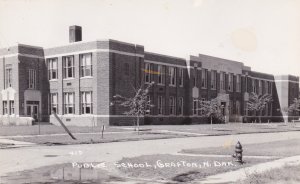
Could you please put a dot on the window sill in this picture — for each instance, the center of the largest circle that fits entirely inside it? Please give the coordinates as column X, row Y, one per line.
column 87, row 77
column 68, row 78
column 160, row 84
column 172, row 85
column 53, row 80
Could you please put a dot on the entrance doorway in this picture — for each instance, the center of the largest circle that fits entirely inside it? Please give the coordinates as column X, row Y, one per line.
column 32, row 109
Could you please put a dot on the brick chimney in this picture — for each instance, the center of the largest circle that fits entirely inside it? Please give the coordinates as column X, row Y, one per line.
column 75, row 34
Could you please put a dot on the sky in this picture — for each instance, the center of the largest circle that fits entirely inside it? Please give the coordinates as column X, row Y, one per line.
column 263, row 34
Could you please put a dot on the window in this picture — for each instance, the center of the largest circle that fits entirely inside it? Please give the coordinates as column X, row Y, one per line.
column 213, row 82
column 86, row 67
column 266, row 86
column 201, row 111
column 12, row 107
column 68, row 63
column 52, row 69
column 195, row 106
column 86, row 103
column 126, row 69
column 160, row 105
column 259, row 87
column 5, row 108
column 172, row 105
column 230, row 107
column 238, row 83
column 204, row 78
column 172, row 74
column 270, row 88
column 69, row 103
column 195, row 77
column 161, row 74
column 230, row 82
column 253, row 86
column 180, row 106
column 245, row 109
column 237, row 108
column 222, row 81
column 148, row 76
column 32, row 79
column 54, row 102
column 8, row 76
column 181, row 77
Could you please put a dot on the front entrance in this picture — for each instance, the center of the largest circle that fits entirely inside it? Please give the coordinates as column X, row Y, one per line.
column 32, row 109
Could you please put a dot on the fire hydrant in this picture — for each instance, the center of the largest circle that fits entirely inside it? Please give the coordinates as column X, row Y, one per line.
column 238, row 153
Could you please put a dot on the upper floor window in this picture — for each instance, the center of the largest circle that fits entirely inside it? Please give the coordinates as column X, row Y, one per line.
column 32, row 79
column 68, row 64
column 253, row 86
column 148, row 71
column 161, row 74
column 86, row 67
column 172, row 105
column 8, row 76
column 238, row 83
column 204, row 78
column 213, row 82
column 222, row 81
column 69, row 105
column 181, row 77
column 126, row 69
column 180, row 106
column 230, row 82
column 195, row 77
column 270, row 87
column 52, row 69
column 86, row 102
column 54, row 102
column 259, row 87
column 172, row 74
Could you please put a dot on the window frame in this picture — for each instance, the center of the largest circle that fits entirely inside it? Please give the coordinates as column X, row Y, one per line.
column 172, row 105
column 52, row 103
column 84, row 104
column 69, row 105
column 204, row 75
column 31, row 79
column 51, row 69
column 67, row 68
column 172, row 74
column 84, row 67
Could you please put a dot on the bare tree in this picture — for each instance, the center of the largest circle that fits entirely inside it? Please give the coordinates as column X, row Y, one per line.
column 211, row 108
column 258, row 103
column 138, row 105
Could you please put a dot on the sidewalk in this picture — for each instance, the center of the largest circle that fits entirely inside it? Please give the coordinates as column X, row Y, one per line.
column 234, row 176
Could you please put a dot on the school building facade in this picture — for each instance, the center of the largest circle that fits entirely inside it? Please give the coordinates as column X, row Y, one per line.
column 78, row 82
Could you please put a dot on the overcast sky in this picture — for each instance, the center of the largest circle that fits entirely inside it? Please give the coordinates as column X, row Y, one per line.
column 263, row 34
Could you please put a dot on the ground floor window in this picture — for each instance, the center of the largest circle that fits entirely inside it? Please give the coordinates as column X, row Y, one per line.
column 5, row 108
column 54, row 103
column 148, row 103
column 12, row 107
column 69, row 103
column 172, row 105
column 180, row 106
column 195, row 106
column 86, row 102
column 160, row 105
column 237, row 108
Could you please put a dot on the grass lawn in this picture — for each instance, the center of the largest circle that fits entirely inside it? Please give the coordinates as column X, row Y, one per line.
column 51, row 129
column 278, row 148
column 178, row 168
column 96, row 138
column 230, row 128
column 287, row 174
column 218, row 129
